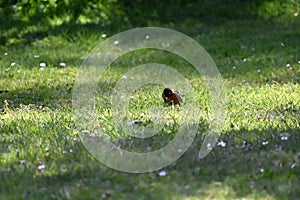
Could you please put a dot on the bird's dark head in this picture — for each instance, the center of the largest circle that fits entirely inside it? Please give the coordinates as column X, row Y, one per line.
column 168, row 92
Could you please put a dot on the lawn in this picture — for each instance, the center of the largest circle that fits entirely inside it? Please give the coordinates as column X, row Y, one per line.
column 256, row 48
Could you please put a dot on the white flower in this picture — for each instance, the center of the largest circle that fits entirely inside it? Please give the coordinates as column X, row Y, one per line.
column 162, row 173
column 261, row 170
column 41, row 167
column 284, row 138
column 43, row 64
column 222, row 144
column 62, row 64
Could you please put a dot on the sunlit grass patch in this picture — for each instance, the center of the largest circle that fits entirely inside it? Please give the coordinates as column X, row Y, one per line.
column 267, row 106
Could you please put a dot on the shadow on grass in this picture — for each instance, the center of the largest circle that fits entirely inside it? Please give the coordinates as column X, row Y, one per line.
column 209, row 13
column 253, row 164
column 232, row 31
column 43, row 96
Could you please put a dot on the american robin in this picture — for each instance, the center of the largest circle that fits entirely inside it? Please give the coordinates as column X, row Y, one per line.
column 171, row 96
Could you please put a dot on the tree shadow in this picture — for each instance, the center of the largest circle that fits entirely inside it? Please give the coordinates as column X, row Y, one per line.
column 251, row 160
column 40, row 96
column 215, row 24
column 252, row 163
column 132, row 15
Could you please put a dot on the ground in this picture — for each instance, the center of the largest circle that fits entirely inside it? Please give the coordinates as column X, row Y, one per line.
column 257, row 154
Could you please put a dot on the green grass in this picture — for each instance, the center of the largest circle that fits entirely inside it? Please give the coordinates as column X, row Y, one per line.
column 258, row 57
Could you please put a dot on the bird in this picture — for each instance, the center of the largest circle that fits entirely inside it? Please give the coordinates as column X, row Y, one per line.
column 171, row 96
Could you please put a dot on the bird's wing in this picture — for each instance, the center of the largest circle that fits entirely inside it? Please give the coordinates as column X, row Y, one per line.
column 178, row 95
